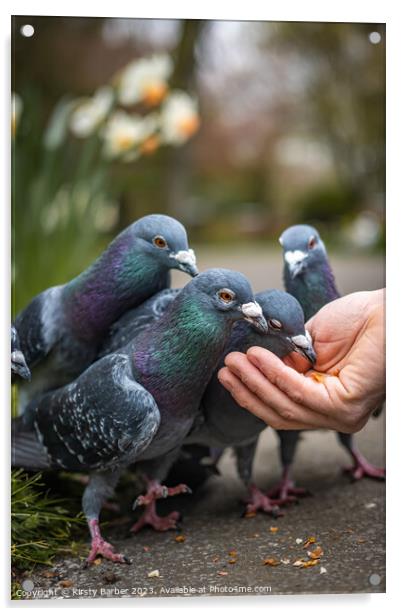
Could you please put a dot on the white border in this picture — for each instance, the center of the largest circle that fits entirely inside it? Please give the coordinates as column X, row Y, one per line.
column 308, row 10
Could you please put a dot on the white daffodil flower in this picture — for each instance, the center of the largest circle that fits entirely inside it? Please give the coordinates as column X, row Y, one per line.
column 91, row 112
column 145, row 80
column 179, row 118
column 16, row 110
column 123, row 133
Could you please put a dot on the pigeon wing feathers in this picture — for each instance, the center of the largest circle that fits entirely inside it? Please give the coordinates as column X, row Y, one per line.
column 136, row 320
column 101, row 420
column 38, row 325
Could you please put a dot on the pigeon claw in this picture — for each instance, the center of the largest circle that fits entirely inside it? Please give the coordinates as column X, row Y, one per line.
column 156, row 491
column 258, row 501
column 286, row 492
column 365, row 469
column 182, row 488
column 161, row 524
column 150, row 517
column 100, row 547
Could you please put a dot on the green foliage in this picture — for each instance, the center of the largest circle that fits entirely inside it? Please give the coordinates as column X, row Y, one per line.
column 58, row 201
column 40, row 525
column 326, row 203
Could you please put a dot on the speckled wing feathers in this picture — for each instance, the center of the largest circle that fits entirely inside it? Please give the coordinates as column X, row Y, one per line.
column 103, row 420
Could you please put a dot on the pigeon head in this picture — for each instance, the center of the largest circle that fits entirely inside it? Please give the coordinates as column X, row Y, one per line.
column 285, row 320
column 229, row 293
column 165, row 239
column 302, row 249
column 18, row 363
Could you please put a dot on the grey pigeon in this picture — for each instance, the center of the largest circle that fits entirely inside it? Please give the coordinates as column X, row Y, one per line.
column 221, row 422
column 224, row 423
column 18, row 364
column 308, row 277
column 136, row 320
column 140, row 402
column 62, row 328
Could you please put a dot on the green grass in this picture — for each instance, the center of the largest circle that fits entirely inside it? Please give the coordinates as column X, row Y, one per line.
column 41, row 526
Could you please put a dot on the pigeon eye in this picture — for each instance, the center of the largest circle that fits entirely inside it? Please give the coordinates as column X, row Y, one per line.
column 160, row 241
column 275, row 324
column 226, row 296
column 312, row 242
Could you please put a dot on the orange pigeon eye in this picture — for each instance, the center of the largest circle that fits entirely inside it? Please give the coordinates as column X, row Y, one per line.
column 160, row 241
column 226, row 296
column 312, row 242
column 275, row 324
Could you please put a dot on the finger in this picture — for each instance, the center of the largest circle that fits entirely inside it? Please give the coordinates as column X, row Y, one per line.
column 250, row 402
column 297, row 362
column 296, row 386
column 290, row 409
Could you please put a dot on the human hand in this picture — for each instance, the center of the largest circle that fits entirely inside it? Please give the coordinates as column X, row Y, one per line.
column 348, row 380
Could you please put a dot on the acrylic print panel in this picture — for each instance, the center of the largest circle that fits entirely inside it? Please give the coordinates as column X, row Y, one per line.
column 236, row 130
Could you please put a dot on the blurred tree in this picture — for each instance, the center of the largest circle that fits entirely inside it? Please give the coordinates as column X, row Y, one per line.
column 179, row 164
column 343, row 102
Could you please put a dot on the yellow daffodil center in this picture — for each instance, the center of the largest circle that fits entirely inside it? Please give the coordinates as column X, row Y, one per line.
column 154, row 93
column 189, row 125
column 124, row 142
column 150, row 145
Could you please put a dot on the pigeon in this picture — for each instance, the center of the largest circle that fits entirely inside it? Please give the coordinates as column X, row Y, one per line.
column 138, row 403
column 308, row 277
column 136, row 320
column 62, row 328
column 215, row 428
column 18, row 364
column 226, row 424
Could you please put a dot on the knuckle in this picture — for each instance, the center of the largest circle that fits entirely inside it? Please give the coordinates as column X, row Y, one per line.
column 279, row 382
column 287, row 414
column 296, row 396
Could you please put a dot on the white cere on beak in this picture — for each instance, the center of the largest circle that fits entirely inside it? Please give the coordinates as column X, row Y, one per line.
column 294, row 256
column 308, row 336
column 17, row 357
column 252, row 310
column 187, row 257
column 302, row 341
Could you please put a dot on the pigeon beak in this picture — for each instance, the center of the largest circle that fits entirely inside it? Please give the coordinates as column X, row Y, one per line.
column 296, row 260
column 304, row 346
column 252, row 312
column 19, row 365
column 186, row 262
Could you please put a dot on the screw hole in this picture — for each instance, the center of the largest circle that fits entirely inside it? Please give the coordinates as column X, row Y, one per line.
column 27, row 30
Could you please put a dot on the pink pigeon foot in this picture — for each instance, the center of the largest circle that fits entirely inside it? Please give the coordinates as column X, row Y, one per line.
column 363, row 468
column 101, row 547
column 150, row 518
column 285, row 491
column 258, row 501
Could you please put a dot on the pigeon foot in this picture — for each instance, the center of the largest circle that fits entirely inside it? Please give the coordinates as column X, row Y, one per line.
column 100, row 547
column 285, row 491
column 155, row 491
column 151, row 518
column 258, row 501
column 362, row 468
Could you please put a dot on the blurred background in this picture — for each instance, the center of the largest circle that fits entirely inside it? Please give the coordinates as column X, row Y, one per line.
column 238, row 129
